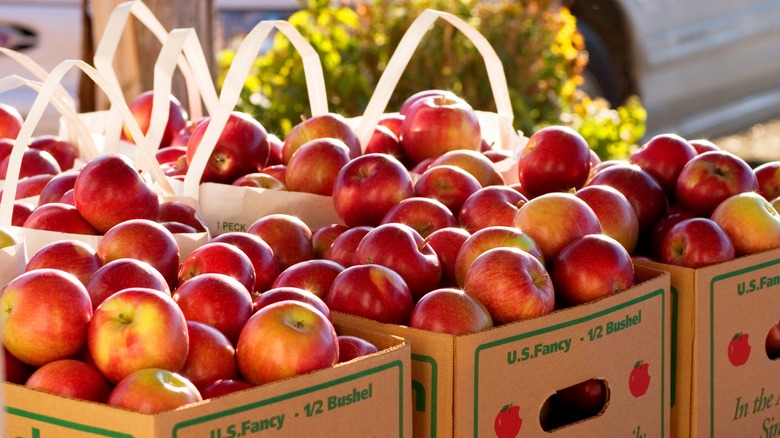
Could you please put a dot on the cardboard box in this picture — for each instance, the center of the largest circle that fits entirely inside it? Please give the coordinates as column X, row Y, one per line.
column 461, row 383
column 368, row 396
column 714, row 393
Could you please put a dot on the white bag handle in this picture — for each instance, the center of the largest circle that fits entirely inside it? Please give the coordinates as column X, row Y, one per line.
column 44, row 97
column 234, row 82
column 403, row 53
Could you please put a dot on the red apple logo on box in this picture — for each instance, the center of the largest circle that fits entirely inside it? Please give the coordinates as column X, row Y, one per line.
column 508, row 422
column 739, row 349
column 639, row 379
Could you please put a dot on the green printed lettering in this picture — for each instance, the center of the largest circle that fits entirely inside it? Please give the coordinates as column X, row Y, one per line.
column 771, row 428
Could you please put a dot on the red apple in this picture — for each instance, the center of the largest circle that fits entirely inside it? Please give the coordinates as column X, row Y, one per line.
column 711, row 177
column 322, row 238
column 315, row 276
column 367, row 187
column 616, row 215
column 750, row 221
column 53, row 190
column 695, row 243
column 651, row 244
column 768, row 178
column 211, row 356
column 411, row 100
column 450, row 185
column 135, row 329
column 57, row 216
column 330, row 125
column 342, row 250
column 284, row 293
column 34, row 162
column 772, row 343
column 259, row 180
column 285, row 339
column 314, row 166
column 664, row 157
column 121, row 274
column 450, row 310
column 511, row 283
column 141, row 108
column 275, row 145
column 6, row 145
column 143, row 240
column 31, row 186
column 63, row 151
column 489, row 238
column 170, row 154
column 582, row 400
column 351, row 347
column 371, row 291
column 393, row 122
column 277, row 171
column 176, row 211
column 242, row 148
column 489, row 206
column 591, row 267
column 556, row 159
column 385, row 141
column 218, row 258
column 260, row 254
column 109, row 190
column 473, row 162
column 224, row 387
column 15, row 371
column 446, row 243
column 217, row 300
column 22, row 210
column 71, row 378
column 288, row 236
column 10, row 121
column 153, row 390
column 703, row 145
column 72, row 256
column 402, row 249
column 425, row 215
column 642, row 190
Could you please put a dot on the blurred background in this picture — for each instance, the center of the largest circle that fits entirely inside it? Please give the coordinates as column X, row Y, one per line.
column 619, row 71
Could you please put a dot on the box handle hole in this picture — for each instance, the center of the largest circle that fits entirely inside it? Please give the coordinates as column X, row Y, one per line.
column 573, row 404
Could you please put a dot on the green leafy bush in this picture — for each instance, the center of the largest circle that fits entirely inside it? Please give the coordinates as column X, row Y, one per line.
column 537, row 42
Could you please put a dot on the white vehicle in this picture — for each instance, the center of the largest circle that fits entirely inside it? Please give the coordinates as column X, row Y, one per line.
column 701, row 67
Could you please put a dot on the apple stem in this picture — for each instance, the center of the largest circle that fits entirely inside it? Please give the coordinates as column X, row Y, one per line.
column 422, row 244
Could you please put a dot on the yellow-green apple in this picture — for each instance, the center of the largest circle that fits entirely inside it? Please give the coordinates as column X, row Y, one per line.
column 473, row 162
column 371, row 291
column 44, row 316
column 260, row 254
column 71, row 378
column 10, row 121
column 511, row 283
column 772, row 343
column 703, row 145
column 109, row 190
column 393, row 122
column 137, row 328
column 177, row 211
column 8, row 238
column 489, row 206
column 436, row 124
column 351, row 347
column 664, row 157
column 144, row 240
column 121, row 274
column 153, row 390
column 14, row 370
column 242, row 148
column 342, row 250
column 556, row 159
column 30, row 186
column 224, row 387
column 450, row 310
column 259, row 180
column 768, row 178
column 63, row 151
column 616, row 215
column 447, row 184
column 330, row 125
column 750, row 221
column 493, row 237
column 323, row 237
column 589, row 268
column 58, row 216
column 425, row 215
column 72, row 256
column 275, row 145
column 53, row 190
column 315, row 276
column 409, row 101
column 21, row 211
column 34, row 162
column 285, row 339
column 278, row 171
column 211, row 356
column 314, row 166
column 385, row 141
column 141, row 108
column 695, row 243
column 288, row 236
column 215, row 299
column 283, row 293
column 642, row 190
column 711, row 177
column 368, row 186
column 402, row 249
column 446, row 243
column 170, row 154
